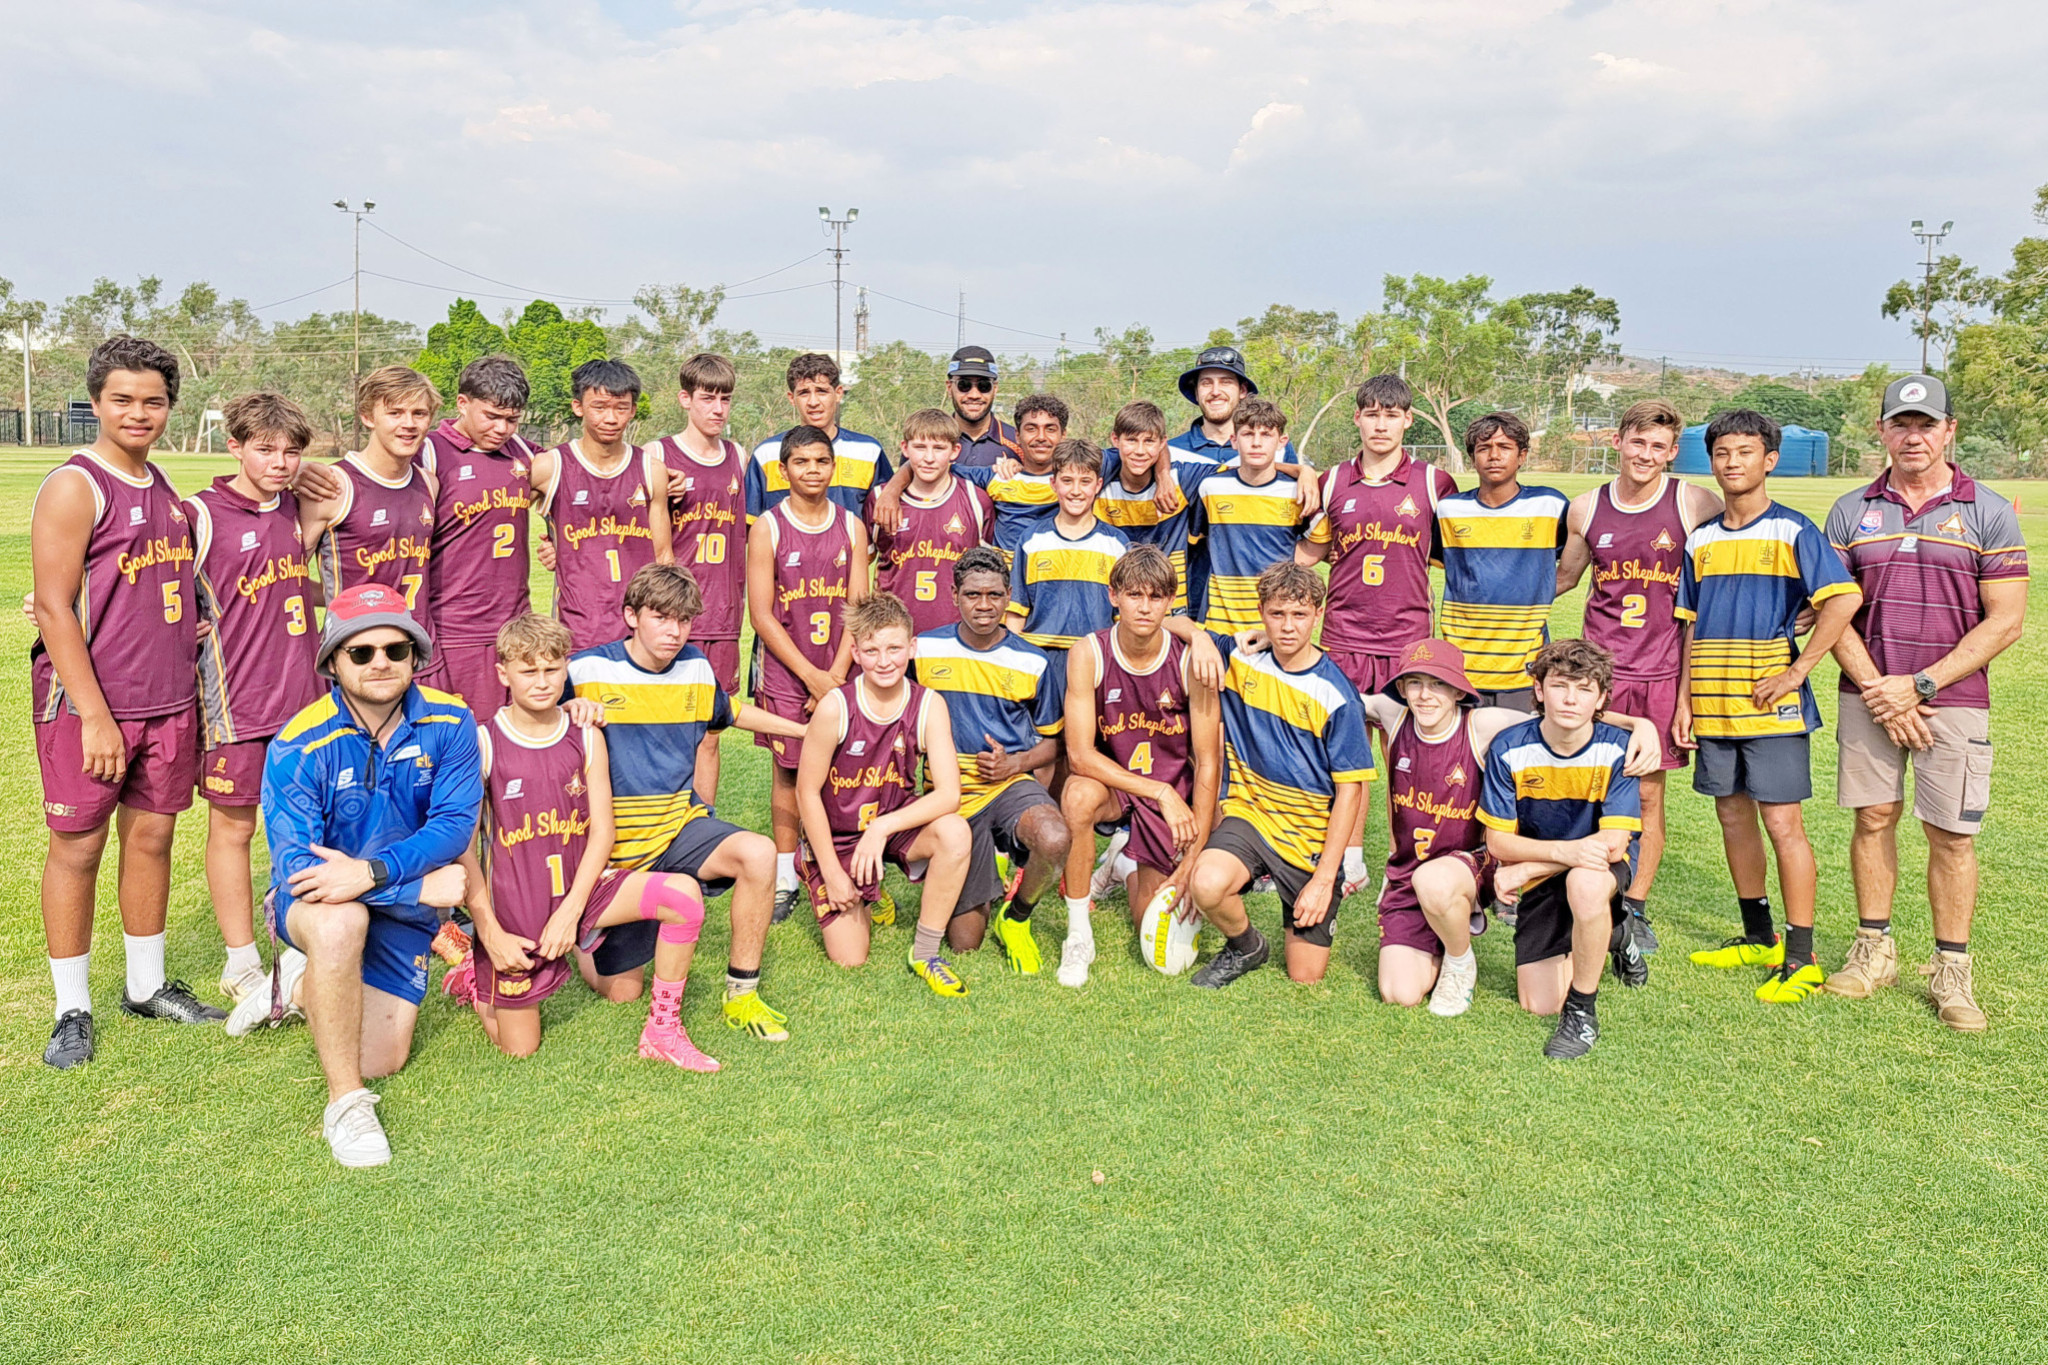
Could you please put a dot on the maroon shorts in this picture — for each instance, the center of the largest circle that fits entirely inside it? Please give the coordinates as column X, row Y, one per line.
column 725, row 663
column 517, row 989
column 1402, row 923
column 788, row 750
column 1369, row 673
column 897, row 851
column 163, row 768
column 1151, row 842
column 1654, row 700
column 469, row 672
column 232, row 775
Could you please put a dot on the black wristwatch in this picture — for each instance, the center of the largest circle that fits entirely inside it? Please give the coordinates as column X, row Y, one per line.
column 379, row 874
column 1925, row 686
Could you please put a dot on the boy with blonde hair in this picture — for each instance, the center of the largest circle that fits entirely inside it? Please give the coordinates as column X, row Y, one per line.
column 943, row 517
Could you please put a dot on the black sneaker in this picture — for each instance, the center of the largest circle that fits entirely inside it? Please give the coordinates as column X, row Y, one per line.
column 1631, row 968
column 174, row 1001
column 71, row 1041
column 1577, row 1031
column 785, row 904
column 1646, row 937
column 1228, row 965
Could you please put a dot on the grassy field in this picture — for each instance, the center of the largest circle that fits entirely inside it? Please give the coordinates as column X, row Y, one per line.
column 1286, row 1173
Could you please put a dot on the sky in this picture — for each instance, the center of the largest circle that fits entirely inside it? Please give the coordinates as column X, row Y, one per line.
column 1738, row 175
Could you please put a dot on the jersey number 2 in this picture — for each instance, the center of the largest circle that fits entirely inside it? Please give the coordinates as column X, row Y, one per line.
column 1634, row 607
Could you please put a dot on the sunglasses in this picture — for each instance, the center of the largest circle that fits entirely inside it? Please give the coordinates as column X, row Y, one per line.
column 360, row 655
column 973, row 385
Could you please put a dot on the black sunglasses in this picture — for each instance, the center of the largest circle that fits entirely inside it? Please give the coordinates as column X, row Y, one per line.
column 360, row 655
column 969, row 384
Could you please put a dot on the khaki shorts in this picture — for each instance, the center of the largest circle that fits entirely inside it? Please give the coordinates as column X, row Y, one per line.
column 1951, row 781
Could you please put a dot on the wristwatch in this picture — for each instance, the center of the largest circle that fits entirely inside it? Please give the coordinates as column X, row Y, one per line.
column 1925, row 686
column 379, row 874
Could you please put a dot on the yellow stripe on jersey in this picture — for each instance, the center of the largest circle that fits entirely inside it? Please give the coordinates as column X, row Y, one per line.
column 1233, row 604
column 1302, row 701
column 980, row 675
column 1465, row 529
column 653, row 703
column 314, row 714
column 1240, row 505
column 1498, row 641
column 1724, row 678
column 647, row 825
column 1293, row 821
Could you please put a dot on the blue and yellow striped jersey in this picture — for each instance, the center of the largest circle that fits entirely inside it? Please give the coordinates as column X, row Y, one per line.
column 1500, row 576
column 859, row 464
column 1289, row 739
column 1533, row 790
column 1743, row 589
column 1244, row 529
column 653, row 722
column 1023, row 501
column 1060, row 585
column 1139, row 516
column 1007, row 693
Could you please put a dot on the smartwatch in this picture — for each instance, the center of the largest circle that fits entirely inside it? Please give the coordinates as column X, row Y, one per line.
column 379, row 874
column 1925, row 686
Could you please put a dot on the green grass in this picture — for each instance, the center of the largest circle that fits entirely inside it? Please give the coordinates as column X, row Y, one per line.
column 1289, row 1173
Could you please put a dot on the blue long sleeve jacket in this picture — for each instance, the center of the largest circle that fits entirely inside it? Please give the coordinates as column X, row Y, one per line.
column 412, row 802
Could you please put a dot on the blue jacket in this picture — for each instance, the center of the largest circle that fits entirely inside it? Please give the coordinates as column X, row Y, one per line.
column 413, row 803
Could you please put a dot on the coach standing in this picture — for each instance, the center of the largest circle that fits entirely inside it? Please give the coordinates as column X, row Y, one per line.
column 1944, row 576
column 971, row 386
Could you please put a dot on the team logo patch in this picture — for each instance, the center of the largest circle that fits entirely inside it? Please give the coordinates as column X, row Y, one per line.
column 639, row 498
column 583, row 496
column 1528, row 530
column 426, row 516
column 857, row 748
column 1404, row 764
column 1165, row 700
column 575, row 786
column 1349, row 503
column 377, row 517
column 1457, row 777
column 839, row 560
column 465, row 473
column 1953, row 526
column 1406, row 509
column 1913, row 392
column 1766, row 556
column 954, row 528
column 1606, row 540
column 513, row 788
column 516, row 985
column 519, row 469
column 900, row 746
column 733, row 489
column 1423, row 653
column 345, row 780
column 1873, row 520
column 249, row 539
column 796, row 557
column 135, row 515
column 1662, row 542
column 177, row 512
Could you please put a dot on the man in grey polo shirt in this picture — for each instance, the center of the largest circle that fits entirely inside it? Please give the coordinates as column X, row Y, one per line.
column 971, row 383
column 1944, row 577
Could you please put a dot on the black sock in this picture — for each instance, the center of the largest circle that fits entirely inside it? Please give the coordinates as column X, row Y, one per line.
column 1246, row 942
column 1757, row 924
column 1634, row 905
column 1018, row 909
column 740, row 980
column 1947, row 947
column 1883, row 924
column 1798, row 945
column 1574, row 998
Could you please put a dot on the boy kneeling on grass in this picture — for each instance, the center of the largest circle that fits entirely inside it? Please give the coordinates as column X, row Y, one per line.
column 856, row 791
column 544, row 885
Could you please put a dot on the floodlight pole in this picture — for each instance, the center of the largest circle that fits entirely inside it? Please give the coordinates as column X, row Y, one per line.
column 1930, row 239
column 838, row 228
column 28, row 402
column 356, row 365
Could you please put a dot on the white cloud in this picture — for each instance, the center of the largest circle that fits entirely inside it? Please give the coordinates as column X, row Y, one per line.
column 1630, row 70
column 1267, row 123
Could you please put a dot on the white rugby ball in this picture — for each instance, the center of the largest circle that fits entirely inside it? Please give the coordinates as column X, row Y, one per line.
column 1167, row 942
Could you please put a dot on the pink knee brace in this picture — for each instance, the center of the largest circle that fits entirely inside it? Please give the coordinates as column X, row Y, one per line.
column 679, row 894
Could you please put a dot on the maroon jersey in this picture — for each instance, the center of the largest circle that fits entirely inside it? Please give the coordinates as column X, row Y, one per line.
column 1435, row 795
column 875, row 764
column 256, row 665
column 1637, row 557
column 538, row 820
column 1379, row 536
column 1141, row 719
column 602, row 538
column 479, row 562
column 134, row 599
column 384, row 535
column 916, row 561
column 813, row 566
column 708, row 504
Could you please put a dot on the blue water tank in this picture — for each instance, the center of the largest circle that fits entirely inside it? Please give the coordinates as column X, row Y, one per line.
column 1802, row 452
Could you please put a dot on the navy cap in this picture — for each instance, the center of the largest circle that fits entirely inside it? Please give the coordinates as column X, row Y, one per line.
column 1217, row 358
column 974, row 360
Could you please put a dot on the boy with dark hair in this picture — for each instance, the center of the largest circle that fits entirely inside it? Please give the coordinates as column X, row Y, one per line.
column 116, row 714
column 481, row 467
column 1245, row 516
column 256, row 663
column 379, row 528
column 599, row 495
column 1296, row 762
column 1632, row 532
column 807, row 560
column 706, row 476
column 1059, row 581
column 1377, row 528
column 859, row 464
column 943, row 518
column 1146, row 494
column 857, row 790
column 1561, row 811
column 1022, row 493
column 661, row 700
column 1006, row 720
column 1499, row 546
column 544, row 886
column 1743, row 697
column 1144, row 748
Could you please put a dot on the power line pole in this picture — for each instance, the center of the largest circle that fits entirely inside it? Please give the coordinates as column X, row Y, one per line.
column 356, row 366
column 860, row 321
column 1930, row 239
column 960, row 337
column 838, row 228
column 28, row 402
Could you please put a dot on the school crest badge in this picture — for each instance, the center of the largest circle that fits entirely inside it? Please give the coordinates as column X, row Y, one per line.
column 575, row 786
column 1663, row 541
column 1953, row 526
column 1407, row 507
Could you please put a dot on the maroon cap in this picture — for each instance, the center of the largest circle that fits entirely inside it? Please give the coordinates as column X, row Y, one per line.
column 1438, row 659
column 366, row 607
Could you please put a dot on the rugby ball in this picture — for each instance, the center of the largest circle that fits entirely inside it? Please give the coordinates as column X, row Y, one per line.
column 1167, row 942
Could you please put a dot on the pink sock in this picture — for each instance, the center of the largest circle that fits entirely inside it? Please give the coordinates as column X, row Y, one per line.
column 665, row 1009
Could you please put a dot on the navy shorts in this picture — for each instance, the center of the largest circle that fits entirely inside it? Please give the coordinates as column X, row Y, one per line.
column 1774, row 769
column 395, row 948
column 631, row 945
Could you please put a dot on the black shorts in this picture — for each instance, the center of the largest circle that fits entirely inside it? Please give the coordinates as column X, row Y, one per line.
column 1239, row 838
column 631, row 945
column 994, row 827
column 1543, row 923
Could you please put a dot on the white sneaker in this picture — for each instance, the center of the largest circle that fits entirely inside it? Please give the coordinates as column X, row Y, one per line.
column 252, row 1011
column 1105, row 875
column 1356, row 877
column 351, row 1128
column 236, row 988
column 1454, row 983
column 1074, row 959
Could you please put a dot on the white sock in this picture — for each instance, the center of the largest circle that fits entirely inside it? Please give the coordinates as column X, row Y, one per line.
column 1460, row 958
column 243, row 959
column 69, row 975
column 785, row 872
column 1355, row 869
column 1078, row 927
column 1122, row 868
column 145, row 965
